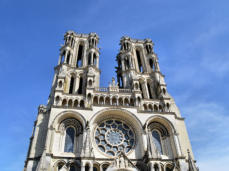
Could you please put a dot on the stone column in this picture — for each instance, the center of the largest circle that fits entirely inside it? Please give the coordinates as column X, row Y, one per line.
column 177, row 144
column 91, row 62
column 76, row 84
column 65, row 56
column 91, row 166
column 152, row 166
column 97, row 62
column 82, row 167
column 123, row 66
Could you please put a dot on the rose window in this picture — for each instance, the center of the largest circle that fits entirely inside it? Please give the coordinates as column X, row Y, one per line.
column 113, row 136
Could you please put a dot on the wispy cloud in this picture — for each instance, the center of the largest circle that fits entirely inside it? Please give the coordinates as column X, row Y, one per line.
column 207, row 123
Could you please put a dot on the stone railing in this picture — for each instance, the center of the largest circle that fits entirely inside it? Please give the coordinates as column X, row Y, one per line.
column 112, row 89
column 101, row 89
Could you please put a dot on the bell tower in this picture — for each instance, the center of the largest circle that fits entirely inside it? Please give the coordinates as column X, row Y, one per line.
column 138, row 69
column 77, row 72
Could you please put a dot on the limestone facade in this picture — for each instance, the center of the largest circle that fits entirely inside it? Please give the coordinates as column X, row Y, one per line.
column 133, row 124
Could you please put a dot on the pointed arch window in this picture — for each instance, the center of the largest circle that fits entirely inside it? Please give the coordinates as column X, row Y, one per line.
column 68, row 58
column 94, row 59
column 79, row 56
column 62, row 58
column 139, row 61
column 80, row 89
column 157, row 140
column 89, row 59
column 149, row 91
column 71, row 85
column 151, row 64
column 87, row 167
column 69, row 139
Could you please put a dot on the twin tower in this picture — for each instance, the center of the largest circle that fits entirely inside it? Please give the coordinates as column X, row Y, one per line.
column 131, row 125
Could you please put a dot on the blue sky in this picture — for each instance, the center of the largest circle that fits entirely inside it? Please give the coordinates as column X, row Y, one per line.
column 191, row 39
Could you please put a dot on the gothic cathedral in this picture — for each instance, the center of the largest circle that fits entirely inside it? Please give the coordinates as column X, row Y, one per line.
column 131, row 125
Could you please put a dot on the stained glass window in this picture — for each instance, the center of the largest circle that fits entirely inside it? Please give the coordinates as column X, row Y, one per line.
column 113, row 136
column 69, row 140
column 157, row 140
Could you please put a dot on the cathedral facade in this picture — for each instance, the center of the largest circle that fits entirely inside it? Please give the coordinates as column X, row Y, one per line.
column 131, row 125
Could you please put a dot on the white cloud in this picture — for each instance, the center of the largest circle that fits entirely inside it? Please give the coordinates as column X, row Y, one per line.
column 219, row 164
column 207, row 123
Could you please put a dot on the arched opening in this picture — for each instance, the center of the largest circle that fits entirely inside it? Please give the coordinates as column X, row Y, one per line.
column 148, row 48
column 80, row 89
column 101, row 100
column 145, row 107
column 89, row 59
column 90, row 83
column 96, row 167
column 89, row 98
column 95, row 101
column 120, row 81
column 69, row 140
column 140, row 67
column 151, row 64
column 68, row 58
column 82, row 104
column 160, row 108
column 169, row 168
column 79, row 56
column 150, row 107
column 156, row 168
column 64, row 103
column 126, row 102
column 60, row 84
column 138, row 101
column 94, row 59
column 114, row 101
column 107, row 101
column 72, row 81
column 120, row 101
column 62, row 57
column 87, row 167
column 104, row 167
column 76, row 103
column 57, row 99
column 149, row 91
column 161, row 138
column 131, row 102
column 127, row 64
column 157, row 140
column 167, row 106
column 70, row 103
column 164, row 91
column 141, row 85
column 136, row 86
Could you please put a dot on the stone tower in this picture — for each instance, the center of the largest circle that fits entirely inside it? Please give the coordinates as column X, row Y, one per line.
column 132, row 125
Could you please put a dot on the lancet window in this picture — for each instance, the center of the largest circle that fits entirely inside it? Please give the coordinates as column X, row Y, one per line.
column 140, row 67
column 79, row 56
column 72, row 81
column 160, row 138
column 69, row 140
column 72, row 128
column 80, row 89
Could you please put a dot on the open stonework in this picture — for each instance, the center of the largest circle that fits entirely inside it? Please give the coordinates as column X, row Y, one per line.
column 131, row 125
